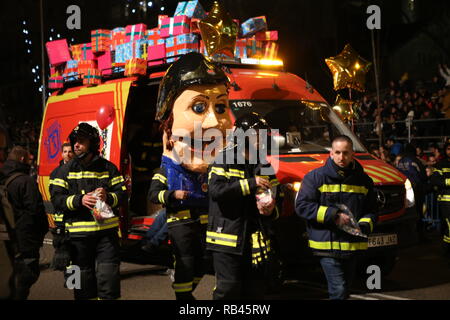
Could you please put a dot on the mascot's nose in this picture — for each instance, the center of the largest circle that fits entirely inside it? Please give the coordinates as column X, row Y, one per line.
column 210, row 121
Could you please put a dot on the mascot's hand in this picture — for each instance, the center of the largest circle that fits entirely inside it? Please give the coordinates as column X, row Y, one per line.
column 181, row 194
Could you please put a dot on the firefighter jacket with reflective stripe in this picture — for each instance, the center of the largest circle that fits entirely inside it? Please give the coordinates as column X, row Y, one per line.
column 440, row 180
column 58, row 216
column 73, row 180
column 321, row 191
column 172, row 177
column 234, row 221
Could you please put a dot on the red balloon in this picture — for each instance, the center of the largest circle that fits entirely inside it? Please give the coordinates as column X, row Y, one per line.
column 105, row 116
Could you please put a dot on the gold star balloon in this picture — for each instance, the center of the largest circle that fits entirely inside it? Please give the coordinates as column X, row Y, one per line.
column 344, row 108
column 219, row 31
column 349, row 69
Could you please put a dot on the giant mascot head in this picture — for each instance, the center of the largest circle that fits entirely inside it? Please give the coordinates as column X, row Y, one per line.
column 193, row 108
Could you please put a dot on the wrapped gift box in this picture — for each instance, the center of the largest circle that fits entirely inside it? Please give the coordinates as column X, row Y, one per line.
column 241, row 49
column 253, row 25
column 191, row 9
column 100, row 40
column 58, row 52
column 174, row 26
column 125, row 52
column 86, row 52
column 254, row 48
column 117, row 37
column 270, row 50
column 56, row 82
column 57, row 70
column 71, row 71
column 136, row 66
column 156, row 52
column 140, row 49
column 75, row 49
column 153, row 34
column 160, row 19
column 105, row 61
column 135, row 32
column 267, row 35
column 181, row 44
column 92, row 76
column 85, row 65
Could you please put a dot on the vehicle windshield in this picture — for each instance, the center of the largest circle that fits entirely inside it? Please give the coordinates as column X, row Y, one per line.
column 304, row 126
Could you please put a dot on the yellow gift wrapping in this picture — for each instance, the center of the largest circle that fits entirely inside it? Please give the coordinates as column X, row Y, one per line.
column 136, row 66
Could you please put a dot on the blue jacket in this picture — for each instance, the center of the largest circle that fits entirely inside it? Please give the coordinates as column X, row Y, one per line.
column 321, row 191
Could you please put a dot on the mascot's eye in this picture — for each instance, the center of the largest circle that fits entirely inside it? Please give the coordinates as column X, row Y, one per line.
column 199, row 107
column 220, row 108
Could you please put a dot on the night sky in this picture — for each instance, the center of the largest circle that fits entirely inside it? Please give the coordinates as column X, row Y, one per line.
column 309, row 32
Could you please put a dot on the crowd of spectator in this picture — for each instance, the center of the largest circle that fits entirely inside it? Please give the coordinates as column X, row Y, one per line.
column 408, row 100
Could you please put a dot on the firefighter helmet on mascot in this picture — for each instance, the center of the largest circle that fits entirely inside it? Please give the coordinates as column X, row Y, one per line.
column 86, row 131
column 191, row 69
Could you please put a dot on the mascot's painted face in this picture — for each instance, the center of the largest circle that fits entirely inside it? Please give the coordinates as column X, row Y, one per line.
column 201, row 116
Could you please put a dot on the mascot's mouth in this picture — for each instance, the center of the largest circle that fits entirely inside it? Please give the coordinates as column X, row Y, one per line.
column 198, row 146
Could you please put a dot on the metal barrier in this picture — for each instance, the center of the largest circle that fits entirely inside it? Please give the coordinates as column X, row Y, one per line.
column 407, row 130
column 431, row 215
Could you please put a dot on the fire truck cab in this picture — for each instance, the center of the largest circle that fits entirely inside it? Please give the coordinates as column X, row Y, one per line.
column 305, row 121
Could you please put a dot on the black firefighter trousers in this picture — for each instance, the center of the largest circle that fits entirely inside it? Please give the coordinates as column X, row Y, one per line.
column 444, row 212
column 97, row 256
column 188, row 243
column 237, row 278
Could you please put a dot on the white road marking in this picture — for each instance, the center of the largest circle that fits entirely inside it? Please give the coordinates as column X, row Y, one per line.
column 357, row 296
column 388, row 296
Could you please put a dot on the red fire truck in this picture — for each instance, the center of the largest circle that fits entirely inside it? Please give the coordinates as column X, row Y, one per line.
column 305, row 121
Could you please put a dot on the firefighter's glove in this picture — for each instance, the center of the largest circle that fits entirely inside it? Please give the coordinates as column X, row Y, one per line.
column 365, row 228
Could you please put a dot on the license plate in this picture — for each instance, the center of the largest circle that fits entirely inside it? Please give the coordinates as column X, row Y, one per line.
column 382, row 240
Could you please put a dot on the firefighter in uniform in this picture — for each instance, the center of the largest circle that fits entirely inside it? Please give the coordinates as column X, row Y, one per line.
column 238, row 230
column 94, row 244
column 62, row 256
column 340, row 181
column 192, row 96
column 440, row 181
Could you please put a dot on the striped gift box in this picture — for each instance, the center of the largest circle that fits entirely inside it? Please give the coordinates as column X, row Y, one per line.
column 135, row 32
column 56, row 82
column 267, row 35
column 92, row 76
column 135, row 67
column 85, row 65
column 117, row 37
column 174, row 26
column 254, row 48
column 181, row 44
column 100, row 40
column 270, row 50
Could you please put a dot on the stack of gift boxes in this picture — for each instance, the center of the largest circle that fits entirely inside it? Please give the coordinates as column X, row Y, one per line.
column 133, row 48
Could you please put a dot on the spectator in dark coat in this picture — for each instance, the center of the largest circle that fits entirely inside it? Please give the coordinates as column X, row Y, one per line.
column 30, row 219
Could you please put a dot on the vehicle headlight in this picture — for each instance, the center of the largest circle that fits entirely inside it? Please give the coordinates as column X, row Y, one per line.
column 297, row 186
column 409, row 194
